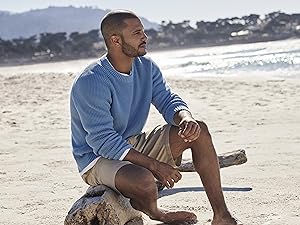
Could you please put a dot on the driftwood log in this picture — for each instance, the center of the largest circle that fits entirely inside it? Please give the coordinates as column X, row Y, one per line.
column 225, row 160
column 102, row 206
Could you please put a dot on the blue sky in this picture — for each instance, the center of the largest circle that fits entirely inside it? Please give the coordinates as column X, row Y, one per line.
column 177, row 11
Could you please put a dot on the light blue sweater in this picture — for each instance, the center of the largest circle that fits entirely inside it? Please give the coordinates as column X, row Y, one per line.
column 108, row 107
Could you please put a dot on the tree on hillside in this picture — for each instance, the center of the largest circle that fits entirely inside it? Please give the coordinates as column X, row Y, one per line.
column 86, row 44
column 52, row 43
column 176, row 33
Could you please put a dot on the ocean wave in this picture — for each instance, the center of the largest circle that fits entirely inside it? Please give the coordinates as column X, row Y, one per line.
column 186, row 64
column 249, row 66
column 290, row 53
column 192, row 55
column 243, row 51
column 237, row 67
column 211, row 53
column 253, row 66
column 271, row 57
column 263, row 65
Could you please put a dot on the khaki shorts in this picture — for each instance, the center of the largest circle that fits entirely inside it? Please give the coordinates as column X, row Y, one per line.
column 154, row 144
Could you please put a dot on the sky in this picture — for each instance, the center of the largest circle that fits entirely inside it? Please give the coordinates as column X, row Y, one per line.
column 175, row 10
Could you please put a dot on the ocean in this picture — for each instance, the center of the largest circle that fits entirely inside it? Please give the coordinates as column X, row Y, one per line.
column 280, row 59
column 276, row 59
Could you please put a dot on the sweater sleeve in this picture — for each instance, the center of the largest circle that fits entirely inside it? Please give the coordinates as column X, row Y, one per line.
column 166, row 102
column 92, row 100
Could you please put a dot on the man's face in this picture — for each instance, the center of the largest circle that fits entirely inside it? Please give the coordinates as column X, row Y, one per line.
column 133, row 38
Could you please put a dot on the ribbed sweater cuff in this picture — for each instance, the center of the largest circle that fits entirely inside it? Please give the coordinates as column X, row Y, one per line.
column 124, row 154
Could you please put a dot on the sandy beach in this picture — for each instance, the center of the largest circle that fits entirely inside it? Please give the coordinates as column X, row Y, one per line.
column 38, row 176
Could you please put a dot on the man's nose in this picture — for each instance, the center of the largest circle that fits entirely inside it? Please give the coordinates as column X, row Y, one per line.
column 145, row 37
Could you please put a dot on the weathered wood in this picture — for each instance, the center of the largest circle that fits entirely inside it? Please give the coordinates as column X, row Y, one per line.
column 225, row 160
column 102, row 206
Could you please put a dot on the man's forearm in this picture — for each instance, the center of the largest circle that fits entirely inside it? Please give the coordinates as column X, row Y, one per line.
column 140, row 159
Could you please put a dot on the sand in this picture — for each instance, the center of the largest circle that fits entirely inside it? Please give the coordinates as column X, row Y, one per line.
column 38, row 176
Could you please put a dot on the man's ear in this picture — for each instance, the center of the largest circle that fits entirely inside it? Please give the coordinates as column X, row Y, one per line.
column 116, row 40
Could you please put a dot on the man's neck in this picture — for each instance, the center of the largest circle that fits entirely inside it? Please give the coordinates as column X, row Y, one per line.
column 122, row 64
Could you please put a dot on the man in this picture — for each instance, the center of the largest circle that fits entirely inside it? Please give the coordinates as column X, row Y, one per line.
column 110, row 101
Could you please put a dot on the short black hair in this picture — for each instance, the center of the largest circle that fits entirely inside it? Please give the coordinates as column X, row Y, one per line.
column 113, row 23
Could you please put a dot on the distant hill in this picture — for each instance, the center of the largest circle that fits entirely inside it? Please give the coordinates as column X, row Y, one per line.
column 53, row 20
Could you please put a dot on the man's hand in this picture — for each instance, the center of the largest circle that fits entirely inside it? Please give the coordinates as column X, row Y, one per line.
column 166, row 174
column 189, row 129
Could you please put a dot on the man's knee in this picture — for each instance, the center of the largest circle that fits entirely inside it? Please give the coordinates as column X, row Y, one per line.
column 146, row 188
column 204, row 129
column 146, row 182
column 139, row 181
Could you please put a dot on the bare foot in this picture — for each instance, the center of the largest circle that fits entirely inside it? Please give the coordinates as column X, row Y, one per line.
column 177, row 218
column 228, row 220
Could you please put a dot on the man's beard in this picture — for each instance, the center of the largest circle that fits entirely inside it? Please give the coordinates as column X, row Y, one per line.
column 130, row 51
